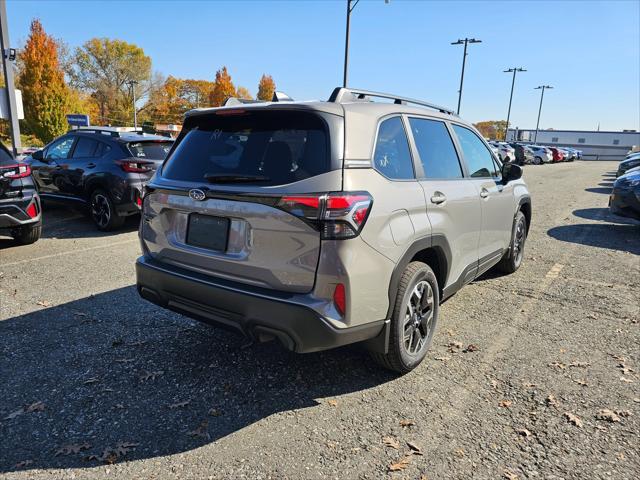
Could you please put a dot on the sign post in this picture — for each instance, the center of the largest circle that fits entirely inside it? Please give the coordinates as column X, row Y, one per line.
column 8, row 55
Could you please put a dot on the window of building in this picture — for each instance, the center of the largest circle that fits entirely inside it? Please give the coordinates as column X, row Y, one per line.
column 554, row 139
column 616, row 142
column 435, row 147
column 581, row 140
column 392, row 157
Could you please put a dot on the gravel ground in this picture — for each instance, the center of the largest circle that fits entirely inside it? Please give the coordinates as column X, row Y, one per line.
column 530, row 375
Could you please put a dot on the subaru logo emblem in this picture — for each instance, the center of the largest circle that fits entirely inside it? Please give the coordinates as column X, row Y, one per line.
column 196, row 194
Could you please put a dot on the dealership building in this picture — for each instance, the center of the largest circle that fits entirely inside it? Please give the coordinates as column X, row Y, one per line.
column 595, row 145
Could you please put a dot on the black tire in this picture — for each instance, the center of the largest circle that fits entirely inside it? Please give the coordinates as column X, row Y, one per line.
column 27, row 235
column 537, row 161
column 404, row 353
column 513, row 257
column 103, row 212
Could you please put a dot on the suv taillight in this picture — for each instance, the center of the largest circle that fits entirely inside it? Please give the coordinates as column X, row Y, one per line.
column 135, row 166
column 338, row 215
column 19, row 170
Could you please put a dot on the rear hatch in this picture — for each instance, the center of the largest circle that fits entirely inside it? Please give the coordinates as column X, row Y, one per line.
column 11, row 173
column 147, row 156
column 238, row 195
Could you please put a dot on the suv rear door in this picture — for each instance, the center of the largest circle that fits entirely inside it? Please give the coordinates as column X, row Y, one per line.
column 244, row 166
column 452, row 201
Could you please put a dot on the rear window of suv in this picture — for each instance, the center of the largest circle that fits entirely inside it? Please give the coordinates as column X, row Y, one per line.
column 5, row 157
column 154, row 150
column 276, row 146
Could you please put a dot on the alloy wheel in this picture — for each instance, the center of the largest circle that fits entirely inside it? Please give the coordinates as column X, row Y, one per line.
column 100, row 210
column 418, row 319
column 518, row 241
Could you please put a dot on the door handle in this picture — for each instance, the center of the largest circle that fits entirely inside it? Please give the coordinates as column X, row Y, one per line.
column 91, row 165
column 484, row 193
column 438, row 198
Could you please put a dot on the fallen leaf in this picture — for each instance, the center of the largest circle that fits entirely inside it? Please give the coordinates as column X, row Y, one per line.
column 524, row 432
column 35, row 407
column 111, row 454
column 401, row 464
column 471, row 348
column 23, row 463
column 551, row 401
column 509, row 475
column 72, row 448
column 201, row 430
column 608, row 415
column 582, row 382
column 459, row 452
column 623, row 413
column 407, row 423
column 571, row 418
column 558, row 365
column 626, row 380
column 415, row 449
column 391, row 442
column 150, row 375
column 214, row 412
column 43, row 303
column 179, row 404
column 505, row 403
column 333, row 403
column 454, row 346
column 442, row 359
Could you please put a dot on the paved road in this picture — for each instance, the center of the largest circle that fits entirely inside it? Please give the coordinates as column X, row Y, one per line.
column 96, row 383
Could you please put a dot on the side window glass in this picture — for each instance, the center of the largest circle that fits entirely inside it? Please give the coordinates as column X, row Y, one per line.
column 60, row 149
column 85, row 148
column 477, row 156
column 101, row 150
column 435, row 147
column 392, row 157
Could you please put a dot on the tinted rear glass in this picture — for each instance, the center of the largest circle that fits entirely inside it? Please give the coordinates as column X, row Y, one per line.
column 5, row 157
column 150, row 150
column 284, row 147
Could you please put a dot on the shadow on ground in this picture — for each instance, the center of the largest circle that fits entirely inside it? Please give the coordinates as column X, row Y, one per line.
column 604, row 215
column 112, row 368
column 603, row 190
column 64, row 222
column 624, row 237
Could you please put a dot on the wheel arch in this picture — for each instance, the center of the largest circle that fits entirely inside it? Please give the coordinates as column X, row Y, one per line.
column 524, row 205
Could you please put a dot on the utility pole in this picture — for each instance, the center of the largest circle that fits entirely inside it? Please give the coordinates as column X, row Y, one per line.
column 513, row 82
column 464, row 42
column 543, row 88
column 351, row 4
column 132, row 84
column 8, row 55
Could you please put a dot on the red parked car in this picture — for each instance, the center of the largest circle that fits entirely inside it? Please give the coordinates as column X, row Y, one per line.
column 558, row 156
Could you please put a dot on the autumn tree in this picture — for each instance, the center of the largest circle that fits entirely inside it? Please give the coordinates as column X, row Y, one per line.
column 112, row 71
column 168, row 102
column 266, row 88
column 492, row 129
column 244, row 93
column 223, row 88
column 45, row 94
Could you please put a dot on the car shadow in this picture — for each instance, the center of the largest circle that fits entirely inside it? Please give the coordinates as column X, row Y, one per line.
column 603, row 190
column 603, row 235
column 113, row 378
column 604, row 215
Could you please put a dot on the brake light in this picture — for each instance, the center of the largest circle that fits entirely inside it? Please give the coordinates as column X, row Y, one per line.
column 135, row 166
column 231, row 112
column 19, row 170
column 340, row 298
column 338, row 215
column 32, row 211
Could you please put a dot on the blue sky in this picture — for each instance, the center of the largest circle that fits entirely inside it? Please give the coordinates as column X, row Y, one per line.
column 588, row 50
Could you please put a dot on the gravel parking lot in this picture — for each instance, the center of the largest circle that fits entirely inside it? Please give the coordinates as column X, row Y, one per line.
column 530, row 375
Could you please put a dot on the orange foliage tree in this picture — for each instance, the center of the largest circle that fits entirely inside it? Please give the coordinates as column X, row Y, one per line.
column 223, row 88
column 266, row 88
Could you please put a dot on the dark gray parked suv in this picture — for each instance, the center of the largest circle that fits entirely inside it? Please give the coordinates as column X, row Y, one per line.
column 327, row 223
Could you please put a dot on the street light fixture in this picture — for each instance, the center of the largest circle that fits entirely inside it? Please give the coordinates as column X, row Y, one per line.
column 513, row 82
column 543, row 88
column 132, row 84
column 464, row 42
column 351, row 4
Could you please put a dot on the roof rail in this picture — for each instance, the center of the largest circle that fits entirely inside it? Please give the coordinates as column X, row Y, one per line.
column 341, row 95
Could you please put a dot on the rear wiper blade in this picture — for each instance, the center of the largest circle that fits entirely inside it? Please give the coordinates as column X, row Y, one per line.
column 234, row 178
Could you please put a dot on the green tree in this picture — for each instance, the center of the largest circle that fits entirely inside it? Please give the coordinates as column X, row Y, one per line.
column 266, row 88
column 45, row 94
column 223, row 88
column 111, row 71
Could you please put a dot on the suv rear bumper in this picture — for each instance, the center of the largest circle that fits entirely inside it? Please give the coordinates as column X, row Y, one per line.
column 252, row 311
column 13, row 211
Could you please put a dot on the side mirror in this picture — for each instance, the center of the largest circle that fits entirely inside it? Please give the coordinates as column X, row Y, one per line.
column 38, row 155
column 510, row 172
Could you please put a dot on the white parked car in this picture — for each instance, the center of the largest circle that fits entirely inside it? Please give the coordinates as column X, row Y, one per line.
column 505, row 151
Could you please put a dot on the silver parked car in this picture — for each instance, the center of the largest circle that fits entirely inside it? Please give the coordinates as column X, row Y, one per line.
column 541, row 154
column 327, row 223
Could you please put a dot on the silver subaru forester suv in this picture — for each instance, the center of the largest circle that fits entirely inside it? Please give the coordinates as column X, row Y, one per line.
column 322, row 224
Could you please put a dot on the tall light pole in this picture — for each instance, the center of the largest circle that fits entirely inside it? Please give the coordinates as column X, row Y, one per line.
column 351, row 4
column 7, row 56
column 132, row 84
column 513, row 82
column 464, row 42
column 543, row 88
